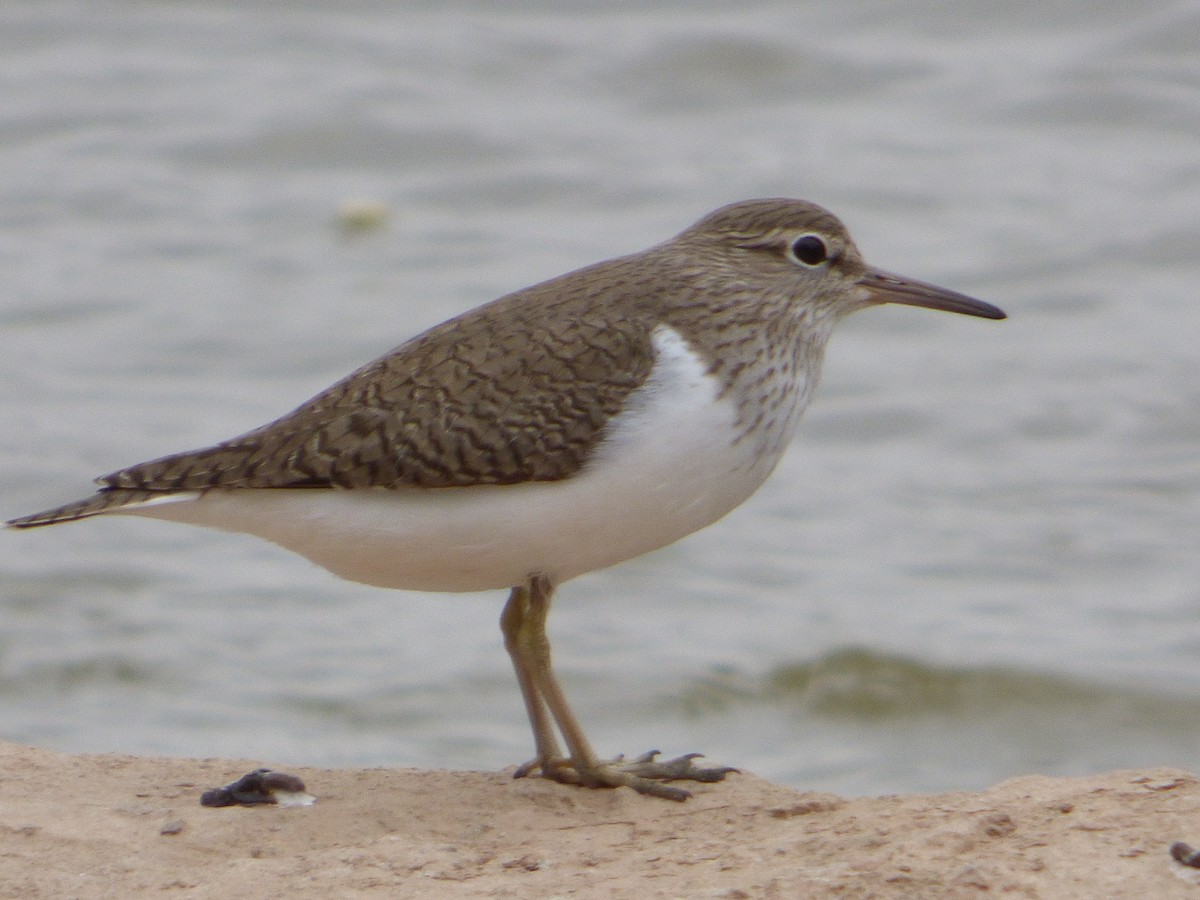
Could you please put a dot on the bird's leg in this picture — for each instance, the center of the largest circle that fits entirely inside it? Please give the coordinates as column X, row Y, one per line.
column 512, row 624
column 525, row 636
column 536, row 644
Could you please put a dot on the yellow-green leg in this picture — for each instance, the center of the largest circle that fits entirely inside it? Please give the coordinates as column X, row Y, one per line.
column 524, row 625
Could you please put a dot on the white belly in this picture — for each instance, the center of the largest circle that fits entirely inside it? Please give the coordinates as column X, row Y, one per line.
column 668, row 467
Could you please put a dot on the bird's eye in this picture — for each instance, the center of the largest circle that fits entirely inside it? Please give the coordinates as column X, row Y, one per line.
column 809, row 250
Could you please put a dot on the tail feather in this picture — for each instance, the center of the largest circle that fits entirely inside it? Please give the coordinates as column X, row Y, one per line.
column 107, row 500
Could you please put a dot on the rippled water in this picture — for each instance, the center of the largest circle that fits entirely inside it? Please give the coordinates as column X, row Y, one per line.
column 979, row 559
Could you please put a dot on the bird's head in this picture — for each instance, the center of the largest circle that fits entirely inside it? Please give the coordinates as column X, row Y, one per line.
column 805, row 250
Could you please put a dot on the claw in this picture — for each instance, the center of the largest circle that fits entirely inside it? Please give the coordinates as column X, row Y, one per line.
column 642, row 773
column 678, row 769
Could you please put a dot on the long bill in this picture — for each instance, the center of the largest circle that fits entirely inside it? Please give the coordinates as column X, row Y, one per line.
column 884, row 287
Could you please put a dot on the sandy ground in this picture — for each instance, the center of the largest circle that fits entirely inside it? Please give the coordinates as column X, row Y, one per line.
column 123, row 826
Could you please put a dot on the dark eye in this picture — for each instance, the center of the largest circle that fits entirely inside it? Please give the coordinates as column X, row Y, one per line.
column 810, row 250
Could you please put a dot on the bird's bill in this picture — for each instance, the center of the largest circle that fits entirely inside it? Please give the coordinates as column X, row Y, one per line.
column 884, row 287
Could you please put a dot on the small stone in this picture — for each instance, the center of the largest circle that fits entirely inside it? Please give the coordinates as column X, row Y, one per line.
column 260, row 786
column 1185, row 854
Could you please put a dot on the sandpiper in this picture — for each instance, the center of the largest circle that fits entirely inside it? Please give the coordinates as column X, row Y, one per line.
column 557, row 430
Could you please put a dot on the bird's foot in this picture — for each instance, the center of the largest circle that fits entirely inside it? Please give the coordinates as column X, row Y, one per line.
column 681, row 768
column 645, row 774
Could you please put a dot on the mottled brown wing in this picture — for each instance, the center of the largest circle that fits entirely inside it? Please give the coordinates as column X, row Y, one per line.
column 517, row 390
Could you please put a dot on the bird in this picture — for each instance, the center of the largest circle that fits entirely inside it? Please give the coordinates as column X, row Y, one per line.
column 555, row 431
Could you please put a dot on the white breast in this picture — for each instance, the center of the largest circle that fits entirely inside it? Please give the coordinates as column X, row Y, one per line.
column 668, row 466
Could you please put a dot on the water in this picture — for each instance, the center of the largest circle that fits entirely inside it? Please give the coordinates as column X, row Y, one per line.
column 978, row 560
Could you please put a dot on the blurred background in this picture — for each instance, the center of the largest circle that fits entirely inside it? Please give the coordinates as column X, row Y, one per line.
column 978, row 560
